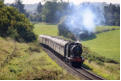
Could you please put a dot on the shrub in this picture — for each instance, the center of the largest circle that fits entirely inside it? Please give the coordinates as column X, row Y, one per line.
column 15, row 25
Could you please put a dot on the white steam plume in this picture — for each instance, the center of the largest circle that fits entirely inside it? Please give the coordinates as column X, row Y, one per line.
column 84, row 18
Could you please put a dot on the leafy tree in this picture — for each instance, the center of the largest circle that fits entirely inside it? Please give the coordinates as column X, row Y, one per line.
column 39, row 8
column 49, row 12
column 14, row 24
column 19, row 6
column 112, row 14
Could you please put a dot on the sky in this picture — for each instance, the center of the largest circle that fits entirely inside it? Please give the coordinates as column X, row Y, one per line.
column 74, row 1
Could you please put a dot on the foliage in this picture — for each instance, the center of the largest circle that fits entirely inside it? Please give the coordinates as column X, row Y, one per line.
column 36, row 17
column 112, row 14
column 39, row 8
column 52, row 12
column 15, row 24
column 18, row 4
column 48, row 13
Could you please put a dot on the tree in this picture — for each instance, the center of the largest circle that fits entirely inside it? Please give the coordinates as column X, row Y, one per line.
column 49, row 12
column 39, row 8
column 18, row 4
column 112, row 14
column 15, row 25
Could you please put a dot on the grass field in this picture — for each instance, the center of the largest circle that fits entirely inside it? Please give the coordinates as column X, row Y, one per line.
column 106, row 44
column 46, row 29
column 100, row 28
column 28, row 62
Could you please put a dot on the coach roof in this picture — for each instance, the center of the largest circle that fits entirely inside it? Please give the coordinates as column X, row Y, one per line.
column 56, row 40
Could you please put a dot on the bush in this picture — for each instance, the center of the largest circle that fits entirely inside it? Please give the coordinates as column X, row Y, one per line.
column 15, row 25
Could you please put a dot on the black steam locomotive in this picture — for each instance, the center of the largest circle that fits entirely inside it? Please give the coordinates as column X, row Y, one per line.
column 70, row 51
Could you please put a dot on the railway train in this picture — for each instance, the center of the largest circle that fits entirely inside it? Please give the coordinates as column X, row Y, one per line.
column 70, row 51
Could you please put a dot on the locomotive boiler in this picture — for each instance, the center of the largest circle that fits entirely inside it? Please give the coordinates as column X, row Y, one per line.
column 69, row 50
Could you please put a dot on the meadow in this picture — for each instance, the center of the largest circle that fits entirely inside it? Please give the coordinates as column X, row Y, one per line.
column 45, row 29
column 100, row 28
column 106, row 44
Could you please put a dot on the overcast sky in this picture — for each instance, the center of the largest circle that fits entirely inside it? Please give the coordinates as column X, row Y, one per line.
column 74, row 1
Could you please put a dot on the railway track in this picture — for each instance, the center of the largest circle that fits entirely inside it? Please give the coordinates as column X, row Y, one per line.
column 82, row 73
column 88, row 74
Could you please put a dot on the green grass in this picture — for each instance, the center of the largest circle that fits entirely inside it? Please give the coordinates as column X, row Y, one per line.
column 108, row 71
column 29, row 62
column 106, row 44
column 100, row 28
column 45, row 29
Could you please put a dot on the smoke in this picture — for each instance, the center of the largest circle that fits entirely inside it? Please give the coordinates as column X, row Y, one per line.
column 84, row 18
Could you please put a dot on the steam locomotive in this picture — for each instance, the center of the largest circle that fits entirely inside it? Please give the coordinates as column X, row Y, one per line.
column 70, row 51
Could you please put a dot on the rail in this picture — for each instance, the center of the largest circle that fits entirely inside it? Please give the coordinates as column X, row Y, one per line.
column 80, row 72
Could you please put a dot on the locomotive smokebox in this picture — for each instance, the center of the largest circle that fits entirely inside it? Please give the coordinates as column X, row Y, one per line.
column 76, row 50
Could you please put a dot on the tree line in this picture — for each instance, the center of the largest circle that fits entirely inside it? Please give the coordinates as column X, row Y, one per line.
column 112, row 15
column 53, row 11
